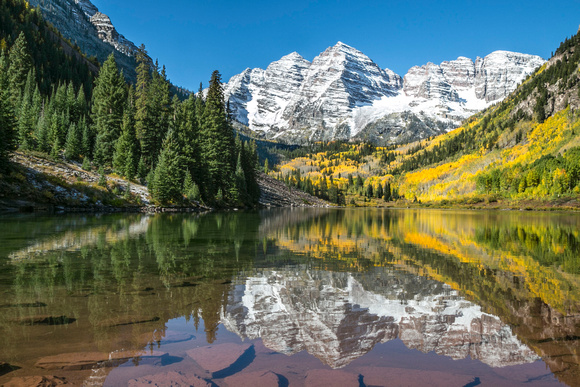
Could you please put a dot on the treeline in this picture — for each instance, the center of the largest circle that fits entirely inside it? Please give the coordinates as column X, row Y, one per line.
column 184, row 150
column 330, row 148
column 47, row 48
column 547, row 176
column 336, row 191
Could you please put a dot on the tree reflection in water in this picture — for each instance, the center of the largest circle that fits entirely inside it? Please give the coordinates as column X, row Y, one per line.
column 499, row 287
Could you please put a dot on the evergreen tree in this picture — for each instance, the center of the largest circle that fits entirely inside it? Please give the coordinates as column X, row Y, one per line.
column 217, row 140
column 125, row 157
column 166, row 182
column 333, row 194
column 7, row 131
column 379, row 192
column 159, row 103
column 72, row 148
column 251, row 164
column 190, row 140
column 190, row 188
column 323, row 188
column 199, row 105
column 41, row 132
column 387, row 192
column 107, row 111
column 240, row 188
column 369, row 191
column 144, row 127
column 80, row 104
column 26, row 114
column 20, row 64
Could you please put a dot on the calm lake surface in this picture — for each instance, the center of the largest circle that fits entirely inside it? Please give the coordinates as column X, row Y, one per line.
column 316, row 297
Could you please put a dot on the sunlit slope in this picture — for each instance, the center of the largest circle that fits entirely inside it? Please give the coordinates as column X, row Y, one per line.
column 526, row 147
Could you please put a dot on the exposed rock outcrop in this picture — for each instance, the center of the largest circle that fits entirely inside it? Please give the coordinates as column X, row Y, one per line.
column 82, row 23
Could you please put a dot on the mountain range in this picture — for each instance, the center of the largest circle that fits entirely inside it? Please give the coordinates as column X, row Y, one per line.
column 343, row 94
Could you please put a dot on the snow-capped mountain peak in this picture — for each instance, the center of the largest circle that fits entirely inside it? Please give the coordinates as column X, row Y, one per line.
column 343, row 94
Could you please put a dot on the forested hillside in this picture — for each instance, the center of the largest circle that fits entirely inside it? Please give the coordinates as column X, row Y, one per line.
column 525, row 148
column 49, row 105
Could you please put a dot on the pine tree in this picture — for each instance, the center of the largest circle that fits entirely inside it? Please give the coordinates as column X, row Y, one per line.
column 387, row 192
column 80, row 104
column 190, row 188
column 107, row 111
column 144, row 127
column 159, row 103
column 7, row 131
column 379, row 192
column 323, row 188
column 333, row 194
column 125, row 149
column 72, row 148
column 41, row 132
column 369, row 191
column 26, row 114
column 190, row 140
column 240, row 188
column 199, row 105
column 19, row 65
column 166, row 183
column 217, row 140
column 251, row 165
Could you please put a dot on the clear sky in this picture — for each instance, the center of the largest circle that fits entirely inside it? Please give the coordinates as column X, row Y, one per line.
column 193, row 38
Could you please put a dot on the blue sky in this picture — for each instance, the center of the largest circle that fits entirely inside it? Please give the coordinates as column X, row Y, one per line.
column 193, row 38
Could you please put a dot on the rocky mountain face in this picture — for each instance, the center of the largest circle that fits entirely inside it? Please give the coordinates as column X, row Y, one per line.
column 339, row 317
column 82, row 23
column 343, row 94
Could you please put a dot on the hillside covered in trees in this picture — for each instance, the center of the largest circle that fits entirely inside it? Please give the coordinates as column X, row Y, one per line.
column 54, row 102
column 525, row 148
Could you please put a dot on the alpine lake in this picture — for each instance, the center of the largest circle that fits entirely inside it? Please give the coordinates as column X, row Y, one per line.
column 291, row 297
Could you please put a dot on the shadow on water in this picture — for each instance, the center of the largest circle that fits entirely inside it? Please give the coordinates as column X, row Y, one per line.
column 476, row 382
column 242, row 362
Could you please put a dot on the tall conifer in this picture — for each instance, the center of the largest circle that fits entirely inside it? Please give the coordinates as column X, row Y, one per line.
column 217, row 140
column 19, row 64
column 107, row 111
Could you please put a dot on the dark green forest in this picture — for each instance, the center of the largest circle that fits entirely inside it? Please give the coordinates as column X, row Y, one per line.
column 56, row 102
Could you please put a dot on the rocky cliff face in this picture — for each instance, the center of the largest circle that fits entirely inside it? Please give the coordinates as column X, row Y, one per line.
column 82, row 23
column 339, row 317
column 343, row 94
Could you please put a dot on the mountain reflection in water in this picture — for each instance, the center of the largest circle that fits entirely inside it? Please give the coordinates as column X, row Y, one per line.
column 85, row 296
column 333, row 316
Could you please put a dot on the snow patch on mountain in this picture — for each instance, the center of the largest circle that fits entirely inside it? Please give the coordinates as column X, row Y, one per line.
column 343, row 94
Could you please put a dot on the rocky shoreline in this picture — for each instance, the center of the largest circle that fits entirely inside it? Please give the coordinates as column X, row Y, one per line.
column 40, row 185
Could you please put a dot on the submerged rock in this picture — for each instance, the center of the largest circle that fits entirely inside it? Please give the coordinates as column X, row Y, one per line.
column 252, row 379
column 45, row 320
column 322, row 378
column 127, row 320
column 6, row 368
column 90, row 360
column 223, row 360
column 36, row 381
column 169, row 379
